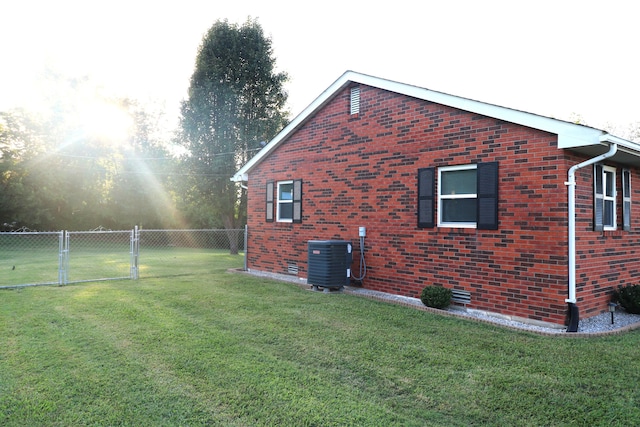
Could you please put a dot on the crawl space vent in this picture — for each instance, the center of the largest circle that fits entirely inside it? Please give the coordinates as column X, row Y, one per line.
column 461, row 297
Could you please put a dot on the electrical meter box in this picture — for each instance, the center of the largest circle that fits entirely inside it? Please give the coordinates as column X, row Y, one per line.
column 329, row 263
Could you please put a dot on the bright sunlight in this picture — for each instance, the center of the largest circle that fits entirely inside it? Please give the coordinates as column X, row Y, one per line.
column 107, row 122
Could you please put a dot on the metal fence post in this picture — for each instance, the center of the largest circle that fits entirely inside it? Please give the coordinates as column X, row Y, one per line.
column 60, row 258
column 63, row 266
column 135, row 253
column 102, row 254
column 246, row 239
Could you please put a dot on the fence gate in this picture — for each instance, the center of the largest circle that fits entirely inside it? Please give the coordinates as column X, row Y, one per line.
column 98, row 255
column 35, row 258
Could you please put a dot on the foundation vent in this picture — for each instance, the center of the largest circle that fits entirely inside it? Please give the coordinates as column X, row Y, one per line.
column 460, row 297
column 292, row 269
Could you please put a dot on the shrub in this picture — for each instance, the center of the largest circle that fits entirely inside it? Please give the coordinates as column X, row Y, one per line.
column 628, row 297
column 436, row 297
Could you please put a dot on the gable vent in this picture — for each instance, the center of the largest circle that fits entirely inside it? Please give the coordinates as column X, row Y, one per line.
column 355, row 100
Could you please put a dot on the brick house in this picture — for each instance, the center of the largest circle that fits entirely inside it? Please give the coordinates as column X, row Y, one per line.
column 525, row 215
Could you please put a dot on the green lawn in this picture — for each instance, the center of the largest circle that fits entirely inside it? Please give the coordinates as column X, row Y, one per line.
column 216, row 348
column 39, row 265
column 29, row 266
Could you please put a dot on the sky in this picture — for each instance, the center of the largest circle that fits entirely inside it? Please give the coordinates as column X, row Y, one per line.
column 563, row 59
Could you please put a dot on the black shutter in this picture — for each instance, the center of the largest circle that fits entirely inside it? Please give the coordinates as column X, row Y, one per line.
column 269, row 199
column 297, row 200
column 626, row 200
column 487, row 196
column 598, row 198
column 426, row 199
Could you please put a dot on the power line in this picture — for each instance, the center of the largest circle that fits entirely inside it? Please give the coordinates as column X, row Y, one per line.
column 75, row 156
column 125, row 172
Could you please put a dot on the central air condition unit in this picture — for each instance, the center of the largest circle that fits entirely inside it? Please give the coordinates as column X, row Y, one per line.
column 329, row 264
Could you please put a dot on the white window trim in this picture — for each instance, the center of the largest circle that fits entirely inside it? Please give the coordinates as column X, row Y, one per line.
column 279, row 202
column 449, row 197
column 605, row 197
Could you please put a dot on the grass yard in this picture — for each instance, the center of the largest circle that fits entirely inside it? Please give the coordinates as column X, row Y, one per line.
column 29, row 266
column 39, row 265
column 216, row 348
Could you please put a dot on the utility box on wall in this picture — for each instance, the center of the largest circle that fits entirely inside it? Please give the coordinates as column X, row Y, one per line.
column 329, row 263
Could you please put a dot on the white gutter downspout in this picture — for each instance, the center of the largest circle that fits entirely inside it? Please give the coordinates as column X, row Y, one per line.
column 571, row 183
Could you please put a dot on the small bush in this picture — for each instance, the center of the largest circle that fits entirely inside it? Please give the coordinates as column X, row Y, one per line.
column 628, row 297
column 436, row 297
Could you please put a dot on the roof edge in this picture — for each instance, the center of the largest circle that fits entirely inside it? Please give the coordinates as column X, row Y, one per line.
column 570, row 135
column 299, row 120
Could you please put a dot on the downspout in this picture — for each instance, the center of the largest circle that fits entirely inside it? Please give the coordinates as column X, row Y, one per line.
column 571, row 184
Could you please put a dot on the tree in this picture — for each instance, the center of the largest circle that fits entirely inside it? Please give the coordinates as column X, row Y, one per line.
column 22, row 201
column 86, row 160
column 235, row 101
column 140, row 193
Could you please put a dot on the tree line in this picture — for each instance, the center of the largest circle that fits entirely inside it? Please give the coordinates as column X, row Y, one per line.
column 85, row 160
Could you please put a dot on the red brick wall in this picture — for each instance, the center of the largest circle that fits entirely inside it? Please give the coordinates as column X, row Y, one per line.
column 362, row 171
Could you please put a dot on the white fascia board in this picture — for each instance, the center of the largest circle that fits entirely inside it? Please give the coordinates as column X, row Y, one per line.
column 570, row 135
column 612, row 139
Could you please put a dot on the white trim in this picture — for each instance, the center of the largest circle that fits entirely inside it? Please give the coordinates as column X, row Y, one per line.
column 570, row 135
column 278, row 201
column 611, row 198
column 474, row 196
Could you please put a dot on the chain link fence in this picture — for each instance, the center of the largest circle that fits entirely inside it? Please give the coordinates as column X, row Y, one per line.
column 179, row 252
column 35, row 258
column 98, row 255
column 31, row 258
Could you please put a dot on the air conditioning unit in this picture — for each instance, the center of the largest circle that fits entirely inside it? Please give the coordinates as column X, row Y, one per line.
column 329, row 264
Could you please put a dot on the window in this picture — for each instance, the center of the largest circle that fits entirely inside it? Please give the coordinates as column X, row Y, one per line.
column 604, row 198
column 288, row 201
column 466, row 195
column 285, row 201
column 457, row 196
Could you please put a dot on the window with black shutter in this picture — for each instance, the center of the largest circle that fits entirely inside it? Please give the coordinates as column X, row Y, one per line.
column 466, row 195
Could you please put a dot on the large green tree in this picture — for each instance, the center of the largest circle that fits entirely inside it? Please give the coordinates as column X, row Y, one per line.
column 85, row 161
column 23, row 203
column 140, row 192
column 236, row 100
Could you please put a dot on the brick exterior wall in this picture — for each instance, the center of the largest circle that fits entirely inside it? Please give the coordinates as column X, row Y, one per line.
column 361, row 170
